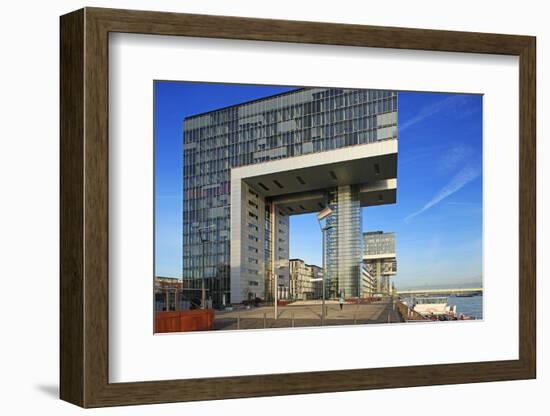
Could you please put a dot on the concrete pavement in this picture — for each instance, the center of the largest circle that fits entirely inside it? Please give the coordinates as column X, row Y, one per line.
column 304, row 315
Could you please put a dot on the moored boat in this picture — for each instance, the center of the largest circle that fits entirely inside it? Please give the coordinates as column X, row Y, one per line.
column 436, row 308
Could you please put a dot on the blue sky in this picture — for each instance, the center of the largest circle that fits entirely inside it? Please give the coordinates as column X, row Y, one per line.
column 438, row 215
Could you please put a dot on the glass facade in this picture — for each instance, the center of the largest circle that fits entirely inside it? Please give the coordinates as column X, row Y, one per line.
column 379, row 242
column 344, row 246
column 295, row 123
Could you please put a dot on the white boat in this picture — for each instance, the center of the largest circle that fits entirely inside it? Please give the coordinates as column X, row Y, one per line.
column 434, row 307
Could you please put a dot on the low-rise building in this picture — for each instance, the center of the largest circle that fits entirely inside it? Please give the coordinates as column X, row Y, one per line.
column 306, row 280
column 168, row 293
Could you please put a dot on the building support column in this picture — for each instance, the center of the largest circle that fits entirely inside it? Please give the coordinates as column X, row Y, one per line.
column 275, row 279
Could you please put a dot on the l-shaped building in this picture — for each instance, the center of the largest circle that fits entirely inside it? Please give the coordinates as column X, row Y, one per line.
column 250, row 166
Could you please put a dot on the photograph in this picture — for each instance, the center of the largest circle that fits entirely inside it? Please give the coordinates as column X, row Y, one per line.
column 236, row 186
column 291, row 206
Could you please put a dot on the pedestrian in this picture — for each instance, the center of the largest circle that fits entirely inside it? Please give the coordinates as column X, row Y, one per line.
column 341, row 301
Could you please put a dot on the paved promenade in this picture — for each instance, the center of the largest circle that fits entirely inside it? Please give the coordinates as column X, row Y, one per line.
column 303, row 314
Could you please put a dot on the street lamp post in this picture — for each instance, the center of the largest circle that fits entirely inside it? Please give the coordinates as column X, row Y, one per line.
column 324, row 214
column 204, row 239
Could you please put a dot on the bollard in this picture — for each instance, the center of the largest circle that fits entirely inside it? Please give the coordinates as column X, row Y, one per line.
column 265, row 321
column 389, row 319
column 292, row 319
column 238, row 321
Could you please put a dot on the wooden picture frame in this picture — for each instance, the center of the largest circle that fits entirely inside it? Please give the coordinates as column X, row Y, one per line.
column 84, row 207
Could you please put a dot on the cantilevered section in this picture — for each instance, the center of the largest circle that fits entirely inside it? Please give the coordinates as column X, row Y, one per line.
column 372, row 165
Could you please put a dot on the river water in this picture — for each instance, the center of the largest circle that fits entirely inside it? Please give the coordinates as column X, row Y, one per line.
column 471, row 305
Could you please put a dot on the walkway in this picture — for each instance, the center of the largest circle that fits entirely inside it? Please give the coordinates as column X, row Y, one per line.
column 304, row 315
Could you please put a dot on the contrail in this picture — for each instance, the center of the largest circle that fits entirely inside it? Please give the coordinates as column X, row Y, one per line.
column 430, row 110
column 462, row 178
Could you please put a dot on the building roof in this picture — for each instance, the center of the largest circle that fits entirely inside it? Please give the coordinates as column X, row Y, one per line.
column 249, row 101
column 167, row 278
column 306, row 264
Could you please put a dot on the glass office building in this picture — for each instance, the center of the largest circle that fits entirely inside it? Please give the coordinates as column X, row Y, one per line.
column 380, row 258
column 298, row 124
column 344, row 246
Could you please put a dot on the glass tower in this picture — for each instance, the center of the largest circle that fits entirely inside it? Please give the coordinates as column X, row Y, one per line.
column 344, row 244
